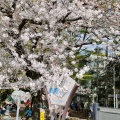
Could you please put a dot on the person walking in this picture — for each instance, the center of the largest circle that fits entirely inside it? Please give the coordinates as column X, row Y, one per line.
column 3, row 110
column 22, row 118
column 91, row 110
column 76, row 107
column 72, row 105
column 82, row 107
column 87, row 108
column 7, row 116
column 28, row 113
column 8, row 107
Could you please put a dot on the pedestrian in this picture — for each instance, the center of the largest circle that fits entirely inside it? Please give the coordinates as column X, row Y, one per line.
column 28, row 103
column 28, row 113
column 82, row 106
column 87, row 108
column 22, row 118
column 72, row 105
column 0, row 107
column 14, row 107
column 3, row 110
column 8, row 107
column 76, row 107
column 91, row 109
column 7, row 116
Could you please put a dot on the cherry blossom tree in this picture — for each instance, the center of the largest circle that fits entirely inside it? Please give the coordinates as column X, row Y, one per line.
column 37, row 37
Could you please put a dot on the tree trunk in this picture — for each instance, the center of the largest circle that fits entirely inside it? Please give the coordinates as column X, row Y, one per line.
column 36, row 106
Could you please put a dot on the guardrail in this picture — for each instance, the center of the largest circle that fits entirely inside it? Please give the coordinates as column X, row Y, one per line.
column 105, row 113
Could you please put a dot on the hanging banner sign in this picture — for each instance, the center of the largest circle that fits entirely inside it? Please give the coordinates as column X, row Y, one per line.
column 9, row 100
column 59, row 95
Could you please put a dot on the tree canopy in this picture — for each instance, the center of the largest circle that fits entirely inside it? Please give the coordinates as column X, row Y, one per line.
column 38, row 37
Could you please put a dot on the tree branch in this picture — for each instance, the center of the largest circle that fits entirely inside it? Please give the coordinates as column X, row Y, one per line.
column 7, row 12
column 12, row 34
column 24, row 21
column 35, row 44
column 85, row 34
column 74, row 19
column 63, row 19
column 22, row 24
column 14, row 4
column 42, row 22
column 19, row 48
column 86, row 43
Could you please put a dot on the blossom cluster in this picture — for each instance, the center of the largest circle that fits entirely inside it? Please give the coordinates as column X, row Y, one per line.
column 35, row 35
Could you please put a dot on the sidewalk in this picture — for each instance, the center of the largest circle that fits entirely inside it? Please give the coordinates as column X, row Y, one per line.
column 72, row 118
column 73, row 115
column 13, row 118
column 78, row 114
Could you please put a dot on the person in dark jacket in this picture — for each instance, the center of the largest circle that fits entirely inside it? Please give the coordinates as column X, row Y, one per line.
column 82, row 107
column 3, row 110
column 28, row 113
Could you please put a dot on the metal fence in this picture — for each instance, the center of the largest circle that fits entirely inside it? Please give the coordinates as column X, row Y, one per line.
column 104, row 113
